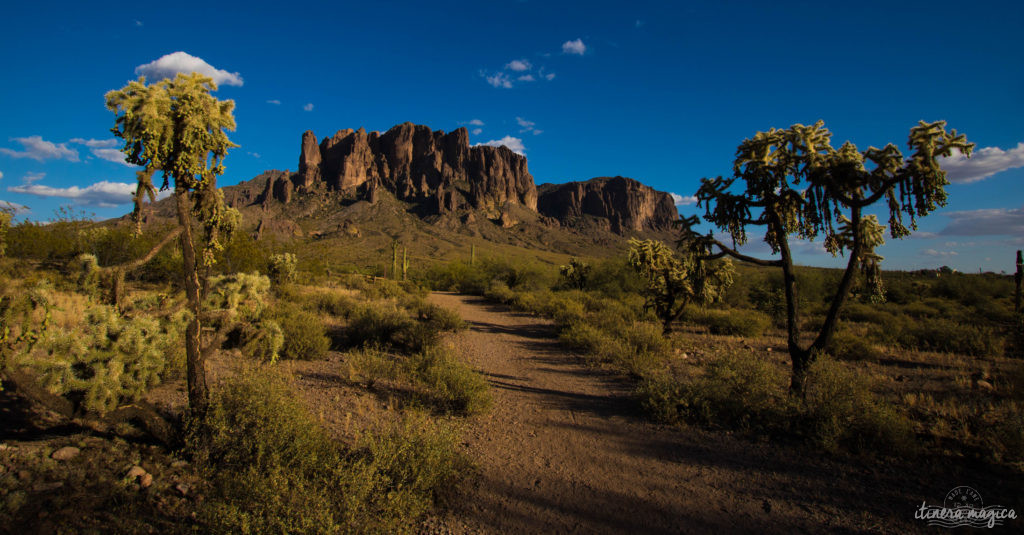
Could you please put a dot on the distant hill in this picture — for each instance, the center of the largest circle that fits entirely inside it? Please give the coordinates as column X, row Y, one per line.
column 356, row 192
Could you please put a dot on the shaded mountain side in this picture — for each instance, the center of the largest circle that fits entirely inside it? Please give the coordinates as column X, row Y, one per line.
column 627, row 204
column 357, row 191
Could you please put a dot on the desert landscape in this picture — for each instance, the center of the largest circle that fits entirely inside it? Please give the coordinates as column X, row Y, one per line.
column 405, row 332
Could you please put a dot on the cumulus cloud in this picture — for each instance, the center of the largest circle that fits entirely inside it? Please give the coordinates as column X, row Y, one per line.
column 477, row 131
column 498, row 79
column 984, row 163
column 95, row 143
column 39, row 149
column 175, row 62
column 526, row 78
column 518, row 65
column 680, row 200
column 111, row 155
column 308, row 106
column 513, row 143
column 104, row 193
column 984, row 222
column 476, row 122
column 574, row 47
column 938, row 254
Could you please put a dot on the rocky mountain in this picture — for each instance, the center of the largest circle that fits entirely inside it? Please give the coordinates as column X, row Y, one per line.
column 441, row 173
column 437, row 170
column 627, row 204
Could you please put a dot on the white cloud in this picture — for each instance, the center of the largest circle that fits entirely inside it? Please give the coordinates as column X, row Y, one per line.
column 308, row 106
column 39, row 149
column 101, row 149
column 518, row 65
column 938, row 254
column 274, row 101
column 181, row 62
column 574, row 47
column 1, row 175
column 14, row 208
column 253, row 154
column 102, row 193
column 537, row 132
column 680, row 200
column 30, row 178
column 95, row 143
column 985, row 222
column 984, row 163
column 550, row 76
column 498, row 79
column 477, row 131
column 111, row 155
column 526, row 78
column 475, row 122
column 138, row 23
column 513, row 143
column 527, row 125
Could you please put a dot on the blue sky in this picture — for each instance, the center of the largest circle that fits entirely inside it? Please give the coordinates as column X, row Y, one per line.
column 662, row 92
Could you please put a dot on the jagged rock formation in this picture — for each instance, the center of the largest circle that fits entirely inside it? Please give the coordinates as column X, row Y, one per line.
column 627, row 204
column 441, row 171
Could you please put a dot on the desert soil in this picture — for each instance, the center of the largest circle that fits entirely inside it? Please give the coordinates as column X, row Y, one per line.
column 565, row 450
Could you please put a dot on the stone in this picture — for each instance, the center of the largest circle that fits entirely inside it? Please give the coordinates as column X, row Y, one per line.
column 66, row 453
column 135, row 472
column 146, row 480
column 628, row 205
column 985, row 385
column 182, row 488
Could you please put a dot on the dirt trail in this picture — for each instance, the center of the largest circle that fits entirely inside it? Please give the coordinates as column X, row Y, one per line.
column 563, row 451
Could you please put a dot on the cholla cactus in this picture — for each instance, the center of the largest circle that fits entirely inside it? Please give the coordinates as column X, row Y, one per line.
column 674, row 282
column 282, row 267
column 237, row 302
column 5, row 223
column 88, row 268
column 104, row 360
column 576, row 273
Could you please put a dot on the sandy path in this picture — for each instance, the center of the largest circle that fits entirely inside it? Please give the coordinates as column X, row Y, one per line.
column 563, row 451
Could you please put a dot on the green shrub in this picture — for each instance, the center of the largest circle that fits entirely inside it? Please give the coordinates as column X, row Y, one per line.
column 841, row 412
column 500, row 292
column 946, row 336
column 455, row 385
column 304, row 335
column 274, row 470
column 336, row 304
column 746, row 323
column 376, row 323
column 848, row 346
column 736, row 391
column 593, row 341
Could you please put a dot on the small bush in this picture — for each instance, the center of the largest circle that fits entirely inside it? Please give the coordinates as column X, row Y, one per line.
column 262, row 340
column 304, row 335
column 848, row 346
column 841, row 412
column 336, row 304
column 376, row 323
column 947, row 336
column 736, row 391
column 746, row 323
column 274, row 470
column 452, row 382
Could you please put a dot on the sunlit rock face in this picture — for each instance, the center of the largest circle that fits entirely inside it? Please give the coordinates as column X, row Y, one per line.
column 627, row 204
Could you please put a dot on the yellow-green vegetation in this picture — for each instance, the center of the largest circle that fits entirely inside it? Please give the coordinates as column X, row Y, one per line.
column 931, row 370
column 84, row 350
column 794, row 184
column 273, row 468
